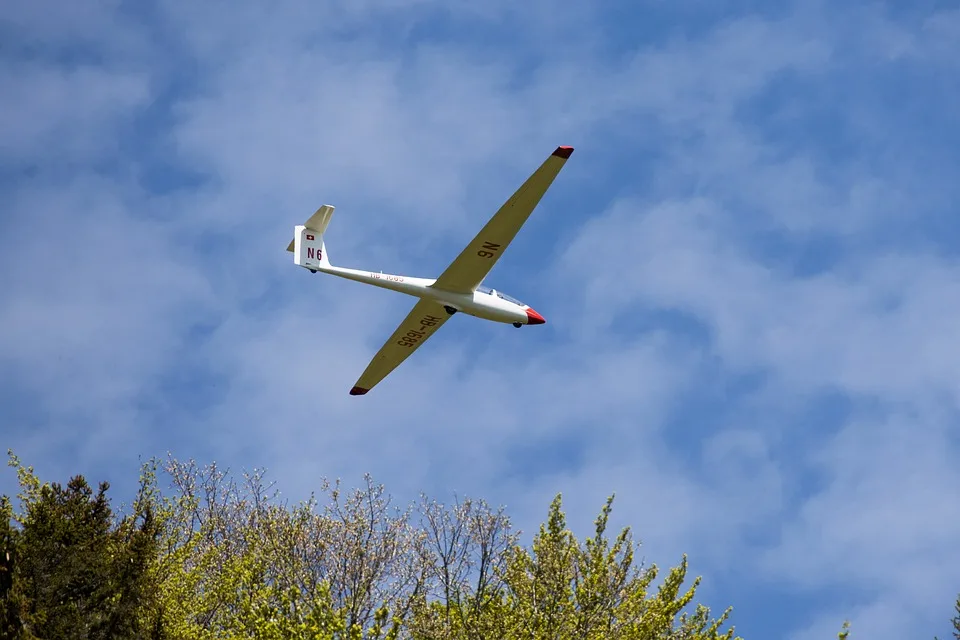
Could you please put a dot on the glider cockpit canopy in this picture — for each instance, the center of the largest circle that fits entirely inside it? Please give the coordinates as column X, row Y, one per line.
column 499, row 294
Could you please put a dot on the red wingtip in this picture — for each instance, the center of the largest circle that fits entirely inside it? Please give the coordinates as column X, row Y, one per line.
column 533, row 317
column 358, row 391
column 563, row 152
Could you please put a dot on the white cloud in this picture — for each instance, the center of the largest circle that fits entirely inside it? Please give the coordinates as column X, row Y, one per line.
column 51, row 114
column 877, row 326
column 96, row 298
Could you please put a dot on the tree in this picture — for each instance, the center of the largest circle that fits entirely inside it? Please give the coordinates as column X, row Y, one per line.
column 212, row 557
column 217, row 556
column 956, row 619
column 73, row 571
column 562, row 588
column 11, row 606
column 466, row 547
column 236, row 562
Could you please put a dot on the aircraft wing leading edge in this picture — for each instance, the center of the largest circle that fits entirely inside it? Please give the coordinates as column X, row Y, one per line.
column 473, row 264
column 423, row 320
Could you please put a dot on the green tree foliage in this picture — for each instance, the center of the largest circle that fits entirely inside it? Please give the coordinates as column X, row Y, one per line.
column 11, row 608
column 235, row 562
column 211, row 556
column 844, row 631
column 956, row 618
column 71, row 570
column 562, row 588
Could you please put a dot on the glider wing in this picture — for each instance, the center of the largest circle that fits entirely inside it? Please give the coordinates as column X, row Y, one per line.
column 423, row 320
column 473, row 264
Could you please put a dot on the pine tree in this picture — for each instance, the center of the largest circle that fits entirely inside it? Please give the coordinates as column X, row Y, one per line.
column 71, row 570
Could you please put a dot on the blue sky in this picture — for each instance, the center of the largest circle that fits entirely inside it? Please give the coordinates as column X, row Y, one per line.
column 748, row 268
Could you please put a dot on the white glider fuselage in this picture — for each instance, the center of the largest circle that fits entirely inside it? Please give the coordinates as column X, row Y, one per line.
column 484, row 303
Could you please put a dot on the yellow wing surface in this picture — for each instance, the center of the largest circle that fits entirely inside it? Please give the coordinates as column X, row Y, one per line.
column 423, row 320
column 473, row 264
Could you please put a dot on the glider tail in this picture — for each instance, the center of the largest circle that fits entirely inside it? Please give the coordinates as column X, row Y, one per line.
column 308, row 248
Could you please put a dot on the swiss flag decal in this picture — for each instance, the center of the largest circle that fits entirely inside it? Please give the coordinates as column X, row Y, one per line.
column 309, row 236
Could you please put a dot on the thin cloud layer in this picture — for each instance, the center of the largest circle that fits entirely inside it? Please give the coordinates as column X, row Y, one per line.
column 744, row 267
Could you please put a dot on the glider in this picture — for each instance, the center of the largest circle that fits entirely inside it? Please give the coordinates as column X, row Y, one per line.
column 457, row 289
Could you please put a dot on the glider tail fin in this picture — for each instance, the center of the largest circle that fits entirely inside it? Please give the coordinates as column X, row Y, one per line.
column 309, row 250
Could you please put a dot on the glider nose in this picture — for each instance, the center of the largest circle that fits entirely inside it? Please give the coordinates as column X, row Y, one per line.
column 533, row 317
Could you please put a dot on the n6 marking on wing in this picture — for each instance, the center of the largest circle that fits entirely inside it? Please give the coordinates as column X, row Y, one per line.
column 489, row 250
